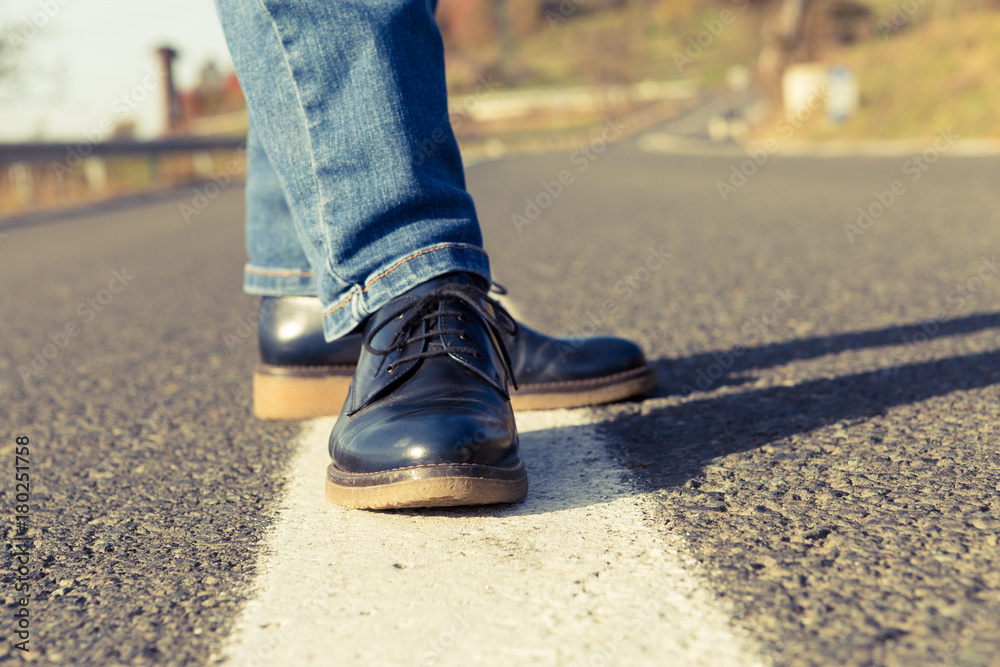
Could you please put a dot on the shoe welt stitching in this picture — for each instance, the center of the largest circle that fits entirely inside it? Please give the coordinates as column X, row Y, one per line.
column 337, row 367
column 577, row 383
column 431, row 465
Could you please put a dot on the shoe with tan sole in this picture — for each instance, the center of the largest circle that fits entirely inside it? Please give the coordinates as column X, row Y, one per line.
column 302, row 376
column 427, row 421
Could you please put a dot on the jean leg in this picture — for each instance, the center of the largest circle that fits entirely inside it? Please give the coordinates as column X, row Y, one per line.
column 348, row 99
column 278, row 265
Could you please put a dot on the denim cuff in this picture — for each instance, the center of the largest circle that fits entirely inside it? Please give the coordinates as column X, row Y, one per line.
column 418, row 267
column 278, row 282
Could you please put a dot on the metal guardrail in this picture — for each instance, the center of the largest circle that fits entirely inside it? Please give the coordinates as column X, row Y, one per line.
column 38, row 176
column 44, row 151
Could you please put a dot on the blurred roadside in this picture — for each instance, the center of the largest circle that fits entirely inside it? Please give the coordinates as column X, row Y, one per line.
column 532, row 75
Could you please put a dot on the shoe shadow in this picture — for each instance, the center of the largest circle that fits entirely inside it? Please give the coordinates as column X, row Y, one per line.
column 710, row 370
column 678, row 441
column 569, row 466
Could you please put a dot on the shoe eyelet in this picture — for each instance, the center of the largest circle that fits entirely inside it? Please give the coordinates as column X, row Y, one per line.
column 388, row 369
column 465, row 336
column 462, row 318
column 479, row 355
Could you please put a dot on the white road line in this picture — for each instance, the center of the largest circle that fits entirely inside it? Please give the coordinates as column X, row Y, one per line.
column 576, row 575
column 678, row 144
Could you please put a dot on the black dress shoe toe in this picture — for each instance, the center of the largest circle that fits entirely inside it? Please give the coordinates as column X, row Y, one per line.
column 427, row 420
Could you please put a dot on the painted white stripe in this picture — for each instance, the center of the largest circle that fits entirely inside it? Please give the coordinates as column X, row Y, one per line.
column 678, row 144
column 575, row 575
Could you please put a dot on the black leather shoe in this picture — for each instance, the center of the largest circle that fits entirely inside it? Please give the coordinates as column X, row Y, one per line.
column 301, row 376
column 427, row 421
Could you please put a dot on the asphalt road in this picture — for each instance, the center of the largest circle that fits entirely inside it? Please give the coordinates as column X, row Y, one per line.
column 824, row 439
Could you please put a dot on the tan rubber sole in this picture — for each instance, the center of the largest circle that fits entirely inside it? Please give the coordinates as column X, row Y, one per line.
column 584, row 392
column 429, row 486
column 280, row 393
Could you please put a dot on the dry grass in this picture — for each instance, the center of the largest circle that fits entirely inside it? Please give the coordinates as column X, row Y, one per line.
column 626, row 46
column 924, row 79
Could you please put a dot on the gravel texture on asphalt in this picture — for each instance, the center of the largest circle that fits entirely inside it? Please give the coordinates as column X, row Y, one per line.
column 152, row 485
column 836, row 473
column 825, row 433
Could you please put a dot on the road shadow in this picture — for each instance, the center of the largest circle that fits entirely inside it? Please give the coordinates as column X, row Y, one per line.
column 671, row 445
column 674, row 443
column 710, row 370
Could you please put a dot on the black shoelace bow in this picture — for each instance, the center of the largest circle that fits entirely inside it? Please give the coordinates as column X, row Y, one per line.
column 426, row 309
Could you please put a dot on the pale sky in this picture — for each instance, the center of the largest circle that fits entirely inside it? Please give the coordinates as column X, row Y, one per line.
column 87, row 63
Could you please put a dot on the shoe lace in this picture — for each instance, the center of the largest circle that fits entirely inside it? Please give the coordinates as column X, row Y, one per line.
column 427, row 308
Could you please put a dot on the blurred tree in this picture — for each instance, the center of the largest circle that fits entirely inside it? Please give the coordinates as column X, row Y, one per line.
column 124, row 130
column 20, row 74
column 608, row 58
column 782, row 34
column 11, row 50
column 467, row 23
column 830, row 24
column 210, row 90
column 676, row 11
column 802, row 30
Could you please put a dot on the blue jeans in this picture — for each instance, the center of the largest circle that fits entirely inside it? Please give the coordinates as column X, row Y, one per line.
column 355, row 188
